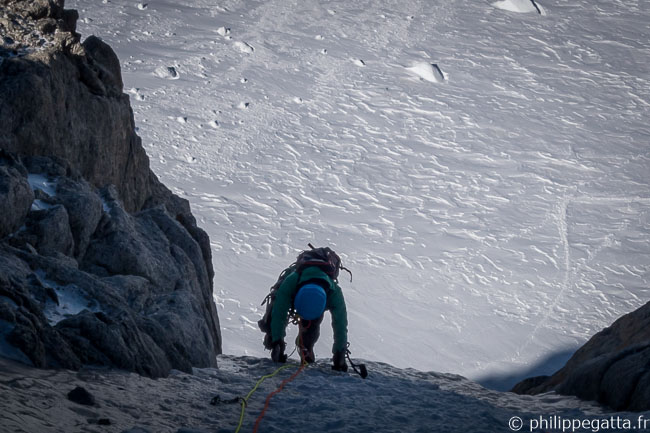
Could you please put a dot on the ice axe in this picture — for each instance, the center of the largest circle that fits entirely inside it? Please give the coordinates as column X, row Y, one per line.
column 362, row 371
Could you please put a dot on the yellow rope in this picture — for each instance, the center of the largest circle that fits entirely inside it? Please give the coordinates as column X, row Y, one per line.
column 244, row 401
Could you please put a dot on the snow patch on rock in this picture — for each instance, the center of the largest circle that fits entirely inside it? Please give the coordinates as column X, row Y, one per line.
column 167, row 72
column 520, row 6
column 427, row 72
column 42, row 183
column 243, row 47
column 71, row 300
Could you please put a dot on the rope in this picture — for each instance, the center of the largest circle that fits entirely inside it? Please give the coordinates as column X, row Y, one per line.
column 277, row 391
column 303, row 364
column 244, row 401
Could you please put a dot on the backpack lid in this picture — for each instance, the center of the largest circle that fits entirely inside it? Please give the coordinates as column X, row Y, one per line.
column 323, row 257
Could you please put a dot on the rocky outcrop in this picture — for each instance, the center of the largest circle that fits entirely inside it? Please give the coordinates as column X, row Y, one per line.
column 613, row 367
column 99, row 262
column 82, row 281
column 15, row 194
column 64, row 98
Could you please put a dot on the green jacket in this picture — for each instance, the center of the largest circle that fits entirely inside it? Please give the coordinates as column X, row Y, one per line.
column 335, row 305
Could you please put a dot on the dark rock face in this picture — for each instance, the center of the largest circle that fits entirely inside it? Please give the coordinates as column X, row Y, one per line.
column 64, row 98
column 99, row 262
column 84, row 210
column 49, row 232
column 15, row 194
column 137, row 295
column 613, row 367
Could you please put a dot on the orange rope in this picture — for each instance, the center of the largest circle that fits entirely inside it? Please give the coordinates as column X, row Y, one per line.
column 303, row 364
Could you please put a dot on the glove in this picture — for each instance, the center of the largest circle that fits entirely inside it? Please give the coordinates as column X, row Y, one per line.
column 277, row 352
column 339, row 361
column 268, row 344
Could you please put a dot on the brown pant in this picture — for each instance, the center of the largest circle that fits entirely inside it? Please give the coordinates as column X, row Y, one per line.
column 308, row 335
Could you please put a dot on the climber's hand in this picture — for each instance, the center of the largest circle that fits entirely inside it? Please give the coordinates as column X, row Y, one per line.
column 339, row 361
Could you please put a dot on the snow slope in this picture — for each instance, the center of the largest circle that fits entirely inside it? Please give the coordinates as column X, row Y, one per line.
column 495, row 209
column 317, row 400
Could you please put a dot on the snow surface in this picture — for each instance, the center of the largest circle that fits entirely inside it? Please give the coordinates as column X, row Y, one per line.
column 492, row 221
column 317, row 400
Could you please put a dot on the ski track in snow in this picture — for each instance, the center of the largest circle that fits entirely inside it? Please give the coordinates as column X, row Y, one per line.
column 490, row 219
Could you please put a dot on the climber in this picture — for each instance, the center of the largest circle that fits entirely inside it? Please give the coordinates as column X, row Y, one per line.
column 304, row 292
